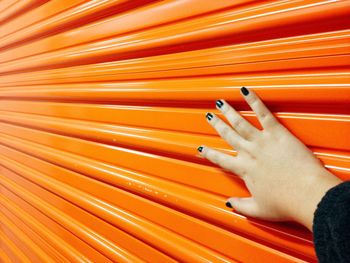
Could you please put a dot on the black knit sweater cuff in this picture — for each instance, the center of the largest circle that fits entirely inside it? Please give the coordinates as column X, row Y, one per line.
column 331, row 225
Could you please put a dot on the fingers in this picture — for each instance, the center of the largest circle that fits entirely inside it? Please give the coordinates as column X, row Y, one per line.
column 241, row 125
column 263, row 114
column 246, row 206
column 222, row 159
column 225, row 131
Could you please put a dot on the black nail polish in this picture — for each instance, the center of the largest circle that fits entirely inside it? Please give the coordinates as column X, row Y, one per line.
column 209, row 116
column 219, row 103
column 200, row 148
column 228, row 204
column 245, row 91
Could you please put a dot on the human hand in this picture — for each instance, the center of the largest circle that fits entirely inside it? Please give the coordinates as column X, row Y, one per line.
column 285, row 179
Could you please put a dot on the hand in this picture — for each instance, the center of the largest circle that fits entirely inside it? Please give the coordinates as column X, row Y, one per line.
column 285, row 179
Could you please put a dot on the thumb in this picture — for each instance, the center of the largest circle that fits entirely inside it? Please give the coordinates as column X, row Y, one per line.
column 246, row 206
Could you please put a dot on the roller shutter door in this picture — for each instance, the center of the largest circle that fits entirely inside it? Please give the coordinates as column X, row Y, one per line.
column 102, row 108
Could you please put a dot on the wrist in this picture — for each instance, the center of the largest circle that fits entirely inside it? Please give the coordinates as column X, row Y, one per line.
column 313, row 194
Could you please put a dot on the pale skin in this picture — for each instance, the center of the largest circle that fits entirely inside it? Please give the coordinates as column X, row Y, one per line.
column 286, row 180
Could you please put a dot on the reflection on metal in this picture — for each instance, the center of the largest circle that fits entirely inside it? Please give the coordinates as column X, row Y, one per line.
column 103, row 107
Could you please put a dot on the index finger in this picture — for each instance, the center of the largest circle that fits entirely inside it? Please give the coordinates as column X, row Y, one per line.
column 264, row 115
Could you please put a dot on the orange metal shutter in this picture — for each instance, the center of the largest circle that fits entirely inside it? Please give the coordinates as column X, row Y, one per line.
column 102, row 108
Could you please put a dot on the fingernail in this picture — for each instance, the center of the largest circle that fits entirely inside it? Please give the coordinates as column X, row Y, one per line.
column 200, row 148
column 219, row 103
column 245, row 91
column 209, row 116
column 228, row 204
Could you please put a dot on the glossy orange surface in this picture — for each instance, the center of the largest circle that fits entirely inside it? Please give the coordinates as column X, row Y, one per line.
column 102, row 108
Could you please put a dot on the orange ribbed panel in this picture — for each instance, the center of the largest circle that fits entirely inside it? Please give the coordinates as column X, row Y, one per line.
column 102, row 108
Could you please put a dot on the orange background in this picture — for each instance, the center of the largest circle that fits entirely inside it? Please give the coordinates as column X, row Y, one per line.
column 102, row 108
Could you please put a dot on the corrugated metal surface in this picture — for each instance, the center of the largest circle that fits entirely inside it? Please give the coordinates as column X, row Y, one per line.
column 103, row 107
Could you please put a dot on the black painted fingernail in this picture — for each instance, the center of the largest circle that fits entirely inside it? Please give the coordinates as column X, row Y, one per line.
column 219, row 103
column 245, row 91
column 228, row 204
column 209, row 116
column 200, row 148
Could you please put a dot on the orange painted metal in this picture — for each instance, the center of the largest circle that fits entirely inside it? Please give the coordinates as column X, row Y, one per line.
column 9, row 10
column 102, row 108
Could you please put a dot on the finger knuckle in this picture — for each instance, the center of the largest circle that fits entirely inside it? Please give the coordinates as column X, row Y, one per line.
column 231, row 114
column 225, row 132
column 264, row 115
column 255, row 103
column 237, row 122
column 234, row 142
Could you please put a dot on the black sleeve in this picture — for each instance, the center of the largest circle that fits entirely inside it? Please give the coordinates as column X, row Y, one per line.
column 331, row 225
